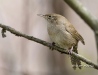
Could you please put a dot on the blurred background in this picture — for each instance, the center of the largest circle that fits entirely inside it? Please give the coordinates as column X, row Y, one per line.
column 19, row 56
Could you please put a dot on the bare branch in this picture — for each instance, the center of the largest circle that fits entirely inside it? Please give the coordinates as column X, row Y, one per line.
column 17, row 33
column 82, row 11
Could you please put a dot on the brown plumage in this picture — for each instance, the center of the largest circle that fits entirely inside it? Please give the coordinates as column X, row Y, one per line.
column 74, row 33
column 62, row 32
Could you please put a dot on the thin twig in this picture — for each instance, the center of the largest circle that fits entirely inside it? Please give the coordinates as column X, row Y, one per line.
column 82, row 11
column 17, row 33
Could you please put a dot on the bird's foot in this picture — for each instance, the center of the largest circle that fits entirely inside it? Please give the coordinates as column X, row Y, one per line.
column 53, row 44
column 70, row 51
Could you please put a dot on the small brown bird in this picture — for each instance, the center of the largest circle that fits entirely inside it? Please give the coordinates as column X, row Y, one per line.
column 64, row 35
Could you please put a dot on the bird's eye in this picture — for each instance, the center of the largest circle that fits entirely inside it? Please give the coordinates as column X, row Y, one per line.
column 49, row 16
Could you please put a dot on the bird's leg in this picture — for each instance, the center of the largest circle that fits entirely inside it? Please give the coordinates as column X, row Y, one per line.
column 53, row 44
column 70, row 50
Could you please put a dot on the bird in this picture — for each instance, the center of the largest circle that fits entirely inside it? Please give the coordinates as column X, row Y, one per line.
column 63, row 34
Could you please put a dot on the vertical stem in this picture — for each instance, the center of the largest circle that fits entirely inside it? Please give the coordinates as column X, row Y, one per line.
column 96, row 36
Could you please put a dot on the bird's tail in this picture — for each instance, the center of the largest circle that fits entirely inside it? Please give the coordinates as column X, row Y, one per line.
column 74, row 60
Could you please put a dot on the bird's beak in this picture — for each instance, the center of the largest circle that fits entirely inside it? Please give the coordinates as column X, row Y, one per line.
column 40, row 15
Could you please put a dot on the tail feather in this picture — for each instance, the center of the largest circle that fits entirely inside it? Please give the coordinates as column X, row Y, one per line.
column 83, row 42
column 74, row 60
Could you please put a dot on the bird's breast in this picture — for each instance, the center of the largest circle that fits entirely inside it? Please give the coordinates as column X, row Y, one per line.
column 60, row 36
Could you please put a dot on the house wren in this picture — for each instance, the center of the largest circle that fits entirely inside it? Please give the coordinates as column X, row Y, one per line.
column 64, row 35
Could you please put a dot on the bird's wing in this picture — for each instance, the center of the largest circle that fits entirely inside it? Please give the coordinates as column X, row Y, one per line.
column 69, row 28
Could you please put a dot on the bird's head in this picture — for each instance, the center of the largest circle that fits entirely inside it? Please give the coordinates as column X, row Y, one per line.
column 51, row 18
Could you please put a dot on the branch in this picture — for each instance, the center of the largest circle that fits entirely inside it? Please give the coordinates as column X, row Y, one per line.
column 17, row 33
column 90, row 19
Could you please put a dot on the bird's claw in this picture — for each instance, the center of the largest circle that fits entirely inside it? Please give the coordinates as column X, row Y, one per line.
column 69, row 52
column 53, row 44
